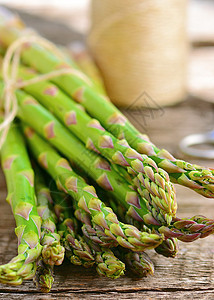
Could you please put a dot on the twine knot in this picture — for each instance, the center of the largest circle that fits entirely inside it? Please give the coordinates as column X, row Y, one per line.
column 10, row 66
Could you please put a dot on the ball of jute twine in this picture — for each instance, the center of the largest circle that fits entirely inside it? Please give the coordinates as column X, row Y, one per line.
column 141, row 46
column 10, row 65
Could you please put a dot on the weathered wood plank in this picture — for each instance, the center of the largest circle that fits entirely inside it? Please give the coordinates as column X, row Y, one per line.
column 167, row 126
column 151, row 295
column 191, row 270
column 189, row 276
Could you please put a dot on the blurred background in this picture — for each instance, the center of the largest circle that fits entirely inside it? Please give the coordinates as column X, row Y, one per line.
column 200, row 28
column 156, row 55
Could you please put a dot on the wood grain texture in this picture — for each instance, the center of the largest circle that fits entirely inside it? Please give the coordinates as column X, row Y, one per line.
column 188, row 276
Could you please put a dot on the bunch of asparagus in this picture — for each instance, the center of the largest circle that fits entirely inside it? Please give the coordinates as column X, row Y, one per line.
column 103, row 192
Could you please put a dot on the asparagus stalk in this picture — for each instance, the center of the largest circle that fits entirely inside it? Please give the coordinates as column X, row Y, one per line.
column 89, row 253
column 21, row 196
column 52, row 252
column 168, row 248
column 44, row 277
column 67, row 180
column 93, row 231
column 138, row 263
column 190, row 229
column 107, row 264
column 80, row 88
column 77, row 250
column 191, row 172
column 152, row 182
column 193, row 176
column 96, row 167
column 186, row 230
column 73, row 117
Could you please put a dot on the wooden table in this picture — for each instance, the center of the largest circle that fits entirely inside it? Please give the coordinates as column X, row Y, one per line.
column 188, row 276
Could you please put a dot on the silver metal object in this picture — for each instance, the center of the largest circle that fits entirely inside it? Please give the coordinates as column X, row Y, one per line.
column 186, row 145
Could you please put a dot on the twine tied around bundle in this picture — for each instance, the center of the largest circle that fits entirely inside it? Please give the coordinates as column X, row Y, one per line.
column 10, row 65
column 141, row 46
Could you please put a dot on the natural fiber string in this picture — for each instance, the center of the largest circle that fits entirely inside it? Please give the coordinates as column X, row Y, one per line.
column 10, row 67
column 98, row 31
column 140, row 46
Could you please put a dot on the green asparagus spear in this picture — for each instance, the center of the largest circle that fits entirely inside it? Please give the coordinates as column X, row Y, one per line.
column 194, row 176
column 190, row 229
column 77, row 249
column 68, row 181
column 52, row 252
column 87, row 65
column 21, row 196
column 107, row 264
column 44, row 277
column 84, row 249
column 168, row 247
column 138, row 263
column 153, row 183
column 93, row 231
column 95, row 166
column 186, row 230
column 80, row 88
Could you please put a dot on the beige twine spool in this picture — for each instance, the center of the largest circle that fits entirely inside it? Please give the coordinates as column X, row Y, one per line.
column 141, row 46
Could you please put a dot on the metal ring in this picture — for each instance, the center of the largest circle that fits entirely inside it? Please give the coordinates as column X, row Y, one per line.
column 197, row 139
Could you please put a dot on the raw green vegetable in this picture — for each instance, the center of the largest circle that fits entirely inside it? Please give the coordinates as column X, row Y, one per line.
column 152, row 183
column 53, row 251
column 138, row 263
column 96, row 167
column 81, row 89
column 81, row 251
column 21, row 196
column 67, row 180
column 107, row 264
column 44, row 277
column 77, row 250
